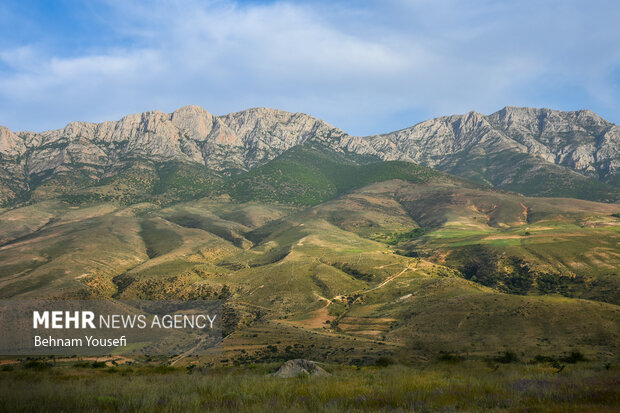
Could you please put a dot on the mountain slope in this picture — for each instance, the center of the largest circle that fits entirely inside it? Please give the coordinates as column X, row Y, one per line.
column 582, row 140
column 84, row 152
column 313, row 173
column 537, row 152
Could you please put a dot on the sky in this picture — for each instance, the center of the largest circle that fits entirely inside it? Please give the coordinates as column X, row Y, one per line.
column 364, row 66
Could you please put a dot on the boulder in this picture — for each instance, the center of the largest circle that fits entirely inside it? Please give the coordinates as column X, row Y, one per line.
column 300, row 367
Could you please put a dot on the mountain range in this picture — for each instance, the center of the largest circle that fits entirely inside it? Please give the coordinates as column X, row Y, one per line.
column 538, row 152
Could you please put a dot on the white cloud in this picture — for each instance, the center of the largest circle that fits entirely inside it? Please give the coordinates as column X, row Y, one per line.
column 371, row 69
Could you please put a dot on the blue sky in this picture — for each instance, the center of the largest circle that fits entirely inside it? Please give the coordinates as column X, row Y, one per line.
column 364, row 66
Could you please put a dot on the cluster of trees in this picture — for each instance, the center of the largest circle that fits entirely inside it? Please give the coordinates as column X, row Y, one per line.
column 489, row 266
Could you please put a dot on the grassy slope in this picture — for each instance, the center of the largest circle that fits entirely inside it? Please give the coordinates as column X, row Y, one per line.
column 138, row 181
column 515, row 171
column 310, row 174
column 565, row 237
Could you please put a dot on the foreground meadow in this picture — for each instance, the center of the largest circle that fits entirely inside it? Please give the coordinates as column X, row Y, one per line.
column 443, row 386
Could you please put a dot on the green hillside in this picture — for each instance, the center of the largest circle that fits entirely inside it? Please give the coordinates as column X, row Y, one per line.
column 310, row 174
column 305, row 175
column 512, row 170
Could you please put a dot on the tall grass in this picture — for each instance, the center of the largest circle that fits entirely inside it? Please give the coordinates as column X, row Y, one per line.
column 465, row 386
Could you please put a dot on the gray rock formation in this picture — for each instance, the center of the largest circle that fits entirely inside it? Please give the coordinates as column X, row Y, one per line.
column 533, row 151
column 300, row 367
column 582, row 140
column 510, row 148
column 238, row 141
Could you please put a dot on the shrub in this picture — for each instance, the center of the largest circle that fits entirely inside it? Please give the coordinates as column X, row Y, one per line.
column 507, row 357
column 162, row 369
column 408, row 253
column 478, row 263
column 573, row 357
column 450, row 358
column 543, row 359
column 344, row 267
column 36, row 365
column 384, row 361
column 395, row 238
column 522, row 277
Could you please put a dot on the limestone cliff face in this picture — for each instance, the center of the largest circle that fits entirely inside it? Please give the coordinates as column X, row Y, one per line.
column 468, row 145
column 431, row 141
column 13, row 178
column 581, row 141
column 241, row 140
column 11, row 146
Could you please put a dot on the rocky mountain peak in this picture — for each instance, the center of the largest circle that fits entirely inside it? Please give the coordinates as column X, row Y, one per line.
column 266, row 128
column 197, row 123
column 464, row 124
column 11, row 145
column 581, row 140
column 539, row 120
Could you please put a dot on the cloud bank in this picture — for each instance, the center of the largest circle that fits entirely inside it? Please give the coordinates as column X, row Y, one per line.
column 366, row 67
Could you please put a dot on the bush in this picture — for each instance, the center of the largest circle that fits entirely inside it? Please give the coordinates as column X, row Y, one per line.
column 478, row 263
column 521, row 278
column 408, row 253
column 548, row 283
column 395, row 238
column 544, row 359
column 162, row 369
column 507, row 357
column 573, row 357
column 88, row 365
column 344, row 267
column 450, row 358
column 37, row 365
column 384, row 361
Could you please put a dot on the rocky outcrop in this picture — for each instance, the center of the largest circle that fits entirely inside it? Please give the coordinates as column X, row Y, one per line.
column 528, row 140
column 430, row 142
column 300, row 367
column 11, row 146
column 582, row 140
column 241, row 140
column 13, row 179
